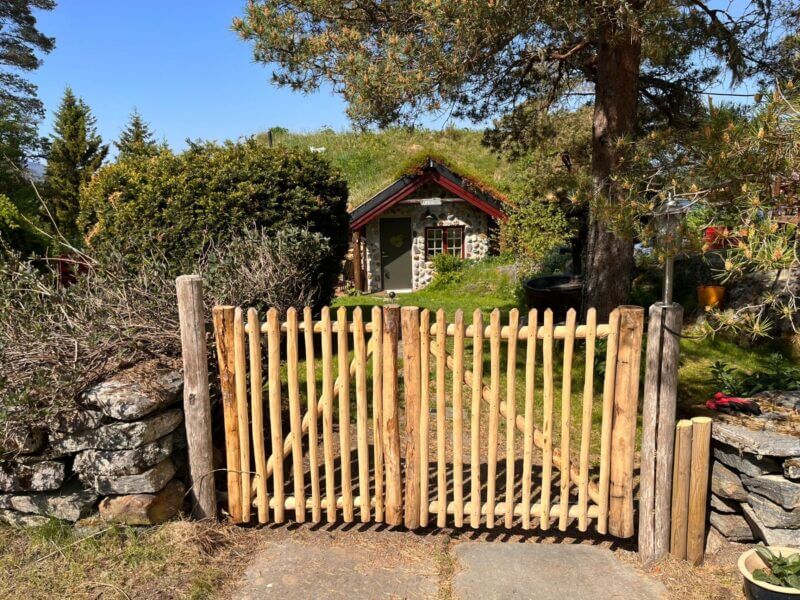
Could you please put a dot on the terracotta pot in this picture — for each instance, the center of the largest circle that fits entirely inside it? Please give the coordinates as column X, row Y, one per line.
column 760, row 590
column 710, row 295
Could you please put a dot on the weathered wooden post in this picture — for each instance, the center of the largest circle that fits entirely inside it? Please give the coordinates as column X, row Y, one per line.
column 623, row 429
column 412, row 393
column 196, row 401
column 658, row 429
column 391, row 417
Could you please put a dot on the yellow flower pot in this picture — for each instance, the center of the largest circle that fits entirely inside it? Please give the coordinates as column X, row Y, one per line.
column 710, row 295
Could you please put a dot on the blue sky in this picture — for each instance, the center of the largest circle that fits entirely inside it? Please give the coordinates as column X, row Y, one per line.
column 178, row 62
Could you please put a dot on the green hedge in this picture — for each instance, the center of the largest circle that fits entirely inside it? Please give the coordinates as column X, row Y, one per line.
column 181, row 204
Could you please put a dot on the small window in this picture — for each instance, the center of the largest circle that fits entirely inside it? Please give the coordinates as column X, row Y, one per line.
column 444, row 240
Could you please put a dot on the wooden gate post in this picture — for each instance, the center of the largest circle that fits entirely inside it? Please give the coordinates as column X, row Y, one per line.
column 623, row 429
column 391, row 421
column 196, row 401
column 412, row 369
column 658, row 429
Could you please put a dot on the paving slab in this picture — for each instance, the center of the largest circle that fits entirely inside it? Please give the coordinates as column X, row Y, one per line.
column 298, row 570
column 547, row 572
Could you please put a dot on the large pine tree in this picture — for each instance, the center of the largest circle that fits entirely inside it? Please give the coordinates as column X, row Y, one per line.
column 137, row 138
column 76, row 152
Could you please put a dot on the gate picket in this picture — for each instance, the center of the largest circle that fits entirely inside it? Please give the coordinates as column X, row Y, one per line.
column 399, row 490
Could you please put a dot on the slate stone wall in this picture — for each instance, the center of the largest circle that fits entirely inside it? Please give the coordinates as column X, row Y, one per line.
column 120, row 454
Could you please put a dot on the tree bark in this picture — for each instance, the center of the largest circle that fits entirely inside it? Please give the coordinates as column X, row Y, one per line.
column 609, row 260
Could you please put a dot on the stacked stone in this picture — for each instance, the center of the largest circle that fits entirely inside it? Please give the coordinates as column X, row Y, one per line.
column 119, row 448
column 755, row 485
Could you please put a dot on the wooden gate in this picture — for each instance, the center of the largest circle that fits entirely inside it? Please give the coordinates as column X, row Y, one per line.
column 449, row 423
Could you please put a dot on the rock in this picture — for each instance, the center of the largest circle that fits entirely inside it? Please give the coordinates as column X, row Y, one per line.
column 137, row 392
column 145, row 509
column 732, row 527
column 723, row 506
column 75, row 420
column 37, row 477
column 22, row 440
column 17, row 519
column 715, row 541
column 748, row 464
column 67, row 506
column 791, row 468
column 760, row 442
column 773, row 515
column 776, row 488
column 726, row 483
column 111, row 463
column 771, row 535
column 119, row 436
column 786, row 399
column 151, row 481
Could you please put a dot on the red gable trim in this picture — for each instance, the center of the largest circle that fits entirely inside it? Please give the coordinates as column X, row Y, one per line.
column 405, row 192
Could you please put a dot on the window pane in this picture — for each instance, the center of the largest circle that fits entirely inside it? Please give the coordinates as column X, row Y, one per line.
column 434, row 242
column 455, row 238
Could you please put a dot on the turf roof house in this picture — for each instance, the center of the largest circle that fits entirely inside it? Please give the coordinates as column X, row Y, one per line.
column 430, row 211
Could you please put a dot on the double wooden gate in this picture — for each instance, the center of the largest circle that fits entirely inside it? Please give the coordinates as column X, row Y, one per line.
column 449, row 423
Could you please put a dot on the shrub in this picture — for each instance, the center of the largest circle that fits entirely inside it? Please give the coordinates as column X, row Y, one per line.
column 183, row 204
column 534, row 229
column 448, row 269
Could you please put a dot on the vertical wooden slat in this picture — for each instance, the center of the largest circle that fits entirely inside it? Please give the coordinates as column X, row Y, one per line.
column 223, row 332
column 475, row 420
column 240, row 363
column 391, row 426
column 311, row 398
column 698, row 490
column 623, row 430
column 547, row 418
column 295, row 415
column 257, row 415
column 377, row 407
column 441, row 417
column 680, row 488
column 327, row 414
column 586, row 419
column 612, row 344
column 425, row 414
column 458, row 418
column 362, row 413
column 276, row 427
column 566, row 416
column 494, row 413
column 511, row 413
column 530, row 378
column 344, row 412
column 411, row 385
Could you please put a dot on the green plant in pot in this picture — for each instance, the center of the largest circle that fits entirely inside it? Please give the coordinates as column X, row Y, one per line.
column 771, row 573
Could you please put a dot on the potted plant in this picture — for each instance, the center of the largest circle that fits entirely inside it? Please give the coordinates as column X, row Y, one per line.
column 710, row 293
column 771, row 573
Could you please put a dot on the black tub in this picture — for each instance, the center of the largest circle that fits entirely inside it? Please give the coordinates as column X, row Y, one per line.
column 557, row 292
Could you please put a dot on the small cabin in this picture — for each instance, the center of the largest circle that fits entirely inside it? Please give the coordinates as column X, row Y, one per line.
column 397, row 233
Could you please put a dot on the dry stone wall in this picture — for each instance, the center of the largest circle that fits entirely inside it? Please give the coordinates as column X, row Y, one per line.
column 120, row 453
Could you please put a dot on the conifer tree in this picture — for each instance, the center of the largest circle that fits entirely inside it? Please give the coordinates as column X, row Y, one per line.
column 76, row 152
column 137, row 138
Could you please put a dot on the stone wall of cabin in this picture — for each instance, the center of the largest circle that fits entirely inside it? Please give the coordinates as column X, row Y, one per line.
column 450, row 213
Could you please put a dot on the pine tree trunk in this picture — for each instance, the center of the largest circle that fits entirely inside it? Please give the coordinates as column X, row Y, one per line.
column 609, row 260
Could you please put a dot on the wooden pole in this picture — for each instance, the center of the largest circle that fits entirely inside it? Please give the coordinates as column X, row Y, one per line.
column 566, row 416
column 680, row 488
column 458, row 418
column 328, row 390
column 527, row 443
column 623, row 429
column 377, row 407
column 475, row 420
column 511, row 414
column 698, row 490
column 257, row 415
column 343, row 356
column 240, row 364
column 547, row 419
column 612, row 343
column 412, row 385
column 275, row 423
column 425, row 414
column 311, row 400
column 586, row 419
column 658, row 430
column 196, row 401
column 362, row 413
column 391, row 426
column 494, row 410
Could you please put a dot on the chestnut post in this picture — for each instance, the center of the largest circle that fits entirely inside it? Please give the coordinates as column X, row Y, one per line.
column 412, row 392
column 391, row 417
column 623, row 428
column 658, row 429
column 196, row 401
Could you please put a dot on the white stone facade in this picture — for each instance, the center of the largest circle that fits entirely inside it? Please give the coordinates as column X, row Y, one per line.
column 451, row 212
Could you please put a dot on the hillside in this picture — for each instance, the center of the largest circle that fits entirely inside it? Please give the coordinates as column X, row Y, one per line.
column 372, row 160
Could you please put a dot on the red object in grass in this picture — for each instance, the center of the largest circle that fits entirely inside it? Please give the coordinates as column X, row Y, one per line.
column 731, row 405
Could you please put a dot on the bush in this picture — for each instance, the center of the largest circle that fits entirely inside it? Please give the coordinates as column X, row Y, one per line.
column 534, row 229
column 448, row 270
column 181, row 205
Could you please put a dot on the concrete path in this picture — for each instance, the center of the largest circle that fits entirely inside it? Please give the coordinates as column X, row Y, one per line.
column 300, row 568
column 547, row 572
